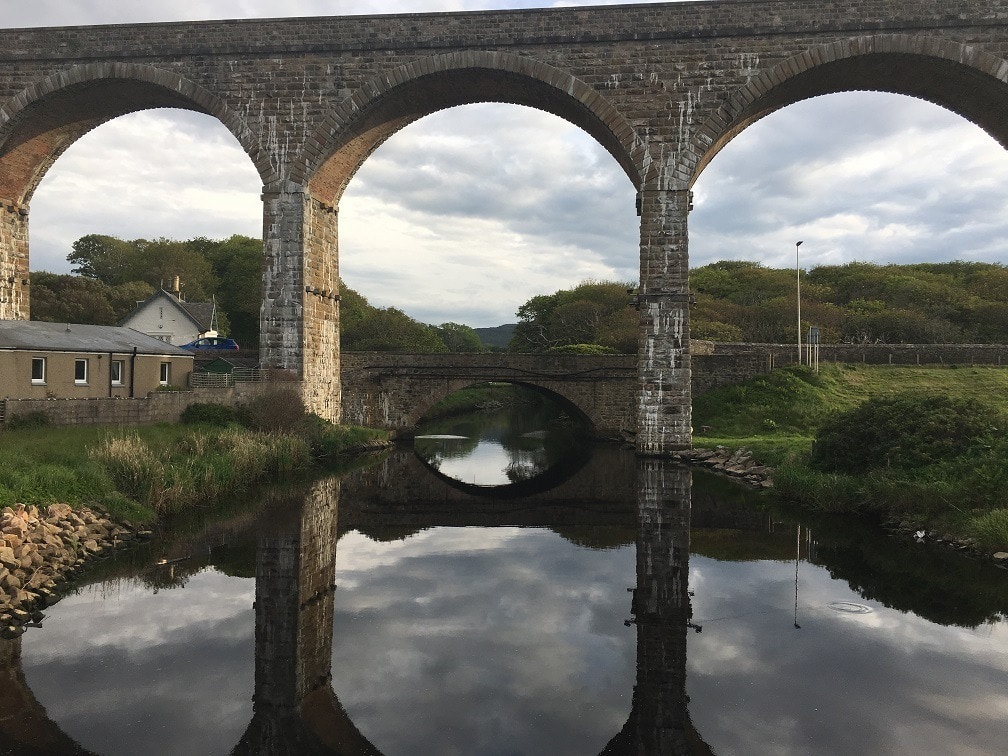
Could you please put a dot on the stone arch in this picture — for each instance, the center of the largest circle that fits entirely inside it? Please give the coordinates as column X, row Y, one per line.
column 445, row 389
column 43, row 120
column 388, row 103
column 968, row 81
column 38, row 125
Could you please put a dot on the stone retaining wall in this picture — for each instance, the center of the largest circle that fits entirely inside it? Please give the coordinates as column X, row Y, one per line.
column 159, row 407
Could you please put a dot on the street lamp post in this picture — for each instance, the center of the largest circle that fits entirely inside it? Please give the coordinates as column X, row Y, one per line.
column 798, row 277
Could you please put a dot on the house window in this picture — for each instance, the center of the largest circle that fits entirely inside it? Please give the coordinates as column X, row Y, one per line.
column 38, row 370
column 116, row 372
column 165, row 373
column 80, row 372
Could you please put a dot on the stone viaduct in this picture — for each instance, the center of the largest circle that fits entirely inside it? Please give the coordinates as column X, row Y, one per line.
column 661, row 86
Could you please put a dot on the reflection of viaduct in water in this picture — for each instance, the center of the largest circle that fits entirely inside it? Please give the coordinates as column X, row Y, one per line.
column 295, row 708
column 403, row 492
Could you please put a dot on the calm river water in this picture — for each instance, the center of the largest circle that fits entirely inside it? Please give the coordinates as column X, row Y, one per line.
column 440, row 601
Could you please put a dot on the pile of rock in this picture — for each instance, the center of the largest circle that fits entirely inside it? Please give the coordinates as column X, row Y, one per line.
column 40, row 550
column 738, row 464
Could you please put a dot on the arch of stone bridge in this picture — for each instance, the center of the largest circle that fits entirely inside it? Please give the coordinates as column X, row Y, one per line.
column 440, row 390
column 397, row 98
column 969, row 82
column 40, row 123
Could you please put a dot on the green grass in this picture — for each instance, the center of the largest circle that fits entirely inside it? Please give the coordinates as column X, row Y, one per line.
column 146, row 472
column 777, row 417
column 795, row 401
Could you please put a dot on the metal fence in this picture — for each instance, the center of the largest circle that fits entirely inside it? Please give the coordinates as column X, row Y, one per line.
column 223, row 380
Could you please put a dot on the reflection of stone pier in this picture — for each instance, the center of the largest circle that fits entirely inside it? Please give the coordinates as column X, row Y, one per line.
column 296, row 711
column 659, row 722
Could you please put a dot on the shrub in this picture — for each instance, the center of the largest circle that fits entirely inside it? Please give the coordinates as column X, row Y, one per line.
column 275, row 410
column 991, row 529
column 905, row 430
column 209, row 413
column 581, row 349
column 133, row 468
column 36, row 419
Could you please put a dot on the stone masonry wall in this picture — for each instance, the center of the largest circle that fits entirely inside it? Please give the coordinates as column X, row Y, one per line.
column 158, row 407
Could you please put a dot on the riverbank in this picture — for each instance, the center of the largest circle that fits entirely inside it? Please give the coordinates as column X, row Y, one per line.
column 40, row 550
column 956, row 496
column 73, row 495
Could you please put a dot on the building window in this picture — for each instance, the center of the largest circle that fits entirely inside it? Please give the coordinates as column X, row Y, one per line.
column 80, row 372
column 38, row 370
column 116, row 372
column 165, row 373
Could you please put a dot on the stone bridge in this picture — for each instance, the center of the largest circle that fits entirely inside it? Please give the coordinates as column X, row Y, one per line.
column 394, row 391
column 384, row 390
column 663, row 87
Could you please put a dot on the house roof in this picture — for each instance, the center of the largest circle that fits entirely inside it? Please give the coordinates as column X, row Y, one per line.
column 200, row 313
column 35, row 335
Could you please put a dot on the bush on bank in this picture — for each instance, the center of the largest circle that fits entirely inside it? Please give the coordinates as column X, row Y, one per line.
column 931, row 457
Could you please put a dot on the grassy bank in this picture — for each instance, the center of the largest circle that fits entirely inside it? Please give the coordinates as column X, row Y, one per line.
column 147, row 472
column 778, row 416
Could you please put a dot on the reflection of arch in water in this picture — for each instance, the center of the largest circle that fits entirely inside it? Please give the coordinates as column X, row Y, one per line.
column 400, row 490
column 25, row 727
column 549, row 390
column 553, row 476
column 658, row 722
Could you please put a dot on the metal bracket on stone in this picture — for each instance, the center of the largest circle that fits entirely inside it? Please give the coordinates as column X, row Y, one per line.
column 323, row 293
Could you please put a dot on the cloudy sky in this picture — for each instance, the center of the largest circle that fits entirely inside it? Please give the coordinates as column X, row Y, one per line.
column 431, row 225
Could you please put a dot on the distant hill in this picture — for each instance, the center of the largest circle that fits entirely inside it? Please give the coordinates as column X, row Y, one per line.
column 496, row 337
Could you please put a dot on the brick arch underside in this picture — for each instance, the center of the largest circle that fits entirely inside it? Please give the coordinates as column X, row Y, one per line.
column 433, row 397
column 353, row 132
column 964, row 80
column 42, row 122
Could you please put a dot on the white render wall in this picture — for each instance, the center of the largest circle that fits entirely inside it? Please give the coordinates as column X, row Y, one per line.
column 162, row 320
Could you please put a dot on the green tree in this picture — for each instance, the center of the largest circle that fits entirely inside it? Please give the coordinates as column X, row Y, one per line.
column 105, row 258
column 594, row 312
column 61, row 298
column 459, row 338
column 390, row 330
column 365, row 328
column 237, row 266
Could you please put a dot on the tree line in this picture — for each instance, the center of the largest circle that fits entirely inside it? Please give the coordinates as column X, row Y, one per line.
column 740, row 301
column 923, row 303
column 111, row 275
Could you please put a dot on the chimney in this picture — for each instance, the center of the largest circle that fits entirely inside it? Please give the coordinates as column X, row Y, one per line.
column 176, row 287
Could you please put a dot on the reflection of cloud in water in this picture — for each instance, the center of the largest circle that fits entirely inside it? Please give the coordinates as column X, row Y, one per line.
column 485, row 465
column 881, row 682
column 137, row 672
column 504, row 640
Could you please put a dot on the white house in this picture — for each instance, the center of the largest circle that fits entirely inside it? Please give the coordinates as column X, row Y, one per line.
column 166, row 317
